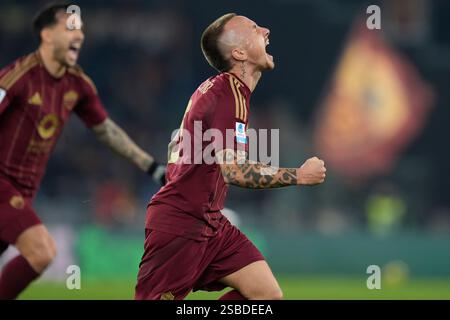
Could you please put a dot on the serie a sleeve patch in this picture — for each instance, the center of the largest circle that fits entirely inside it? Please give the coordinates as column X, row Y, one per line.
column 241, row 136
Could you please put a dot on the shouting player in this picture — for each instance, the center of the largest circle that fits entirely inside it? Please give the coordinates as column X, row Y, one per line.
column 38, row 93
column 189, row 244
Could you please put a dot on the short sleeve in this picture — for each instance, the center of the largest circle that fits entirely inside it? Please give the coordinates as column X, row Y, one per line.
column 90, row 108
column 223, row 120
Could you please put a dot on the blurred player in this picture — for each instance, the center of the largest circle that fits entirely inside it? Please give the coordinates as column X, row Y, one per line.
column 189, row 244
column 38, row 93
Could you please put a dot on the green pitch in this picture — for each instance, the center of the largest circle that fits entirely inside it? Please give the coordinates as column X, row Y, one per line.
column 293, row 288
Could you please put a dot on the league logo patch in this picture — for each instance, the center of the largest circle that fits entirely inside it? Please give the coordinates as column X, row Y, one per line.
column 241, row 136
column 2, row 94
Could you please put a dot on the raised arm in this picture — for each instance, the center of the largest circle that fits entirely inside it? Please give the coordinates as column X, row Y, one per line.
column 117, row 140
column 238, row 170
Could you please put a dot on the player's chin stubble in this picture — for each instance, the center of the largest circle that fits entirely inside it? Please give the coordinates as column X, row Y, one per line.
column 60, row 55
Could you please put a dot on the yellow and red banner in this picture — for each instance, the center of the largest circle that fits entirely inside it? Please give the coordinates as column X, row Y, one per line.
column 375, row 105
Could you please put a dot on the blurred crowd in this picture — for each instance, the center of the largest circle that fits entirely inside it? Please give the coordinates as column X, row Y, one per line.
column 145, row 58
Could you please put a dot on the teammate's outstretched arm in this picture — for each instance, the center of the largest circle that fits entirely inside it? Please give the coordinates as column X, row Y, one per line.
column 117, row 140
column 238, row 170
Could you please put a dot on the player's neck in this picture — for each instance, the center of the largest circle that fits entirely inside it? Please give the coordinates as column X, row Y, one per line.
column 249, row 77
column 54, row 67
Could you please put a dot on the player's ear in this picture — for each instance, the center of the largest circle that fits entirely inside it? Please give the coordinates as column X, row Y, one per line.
column 239, row 54
column 46, row 35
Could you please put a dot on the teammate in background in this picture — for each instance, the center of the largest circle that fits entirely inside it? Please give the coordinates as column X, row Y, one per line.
column 189, row 244
column 38, row 93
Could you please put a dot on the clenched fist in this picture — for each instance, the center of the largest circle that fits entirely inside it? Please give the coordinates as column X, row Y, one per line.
column 312, row 172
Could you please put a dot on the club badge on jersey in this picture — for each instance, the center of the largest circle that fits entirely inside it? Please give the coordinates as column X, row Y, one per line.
column 241, row 136
column 2, row 94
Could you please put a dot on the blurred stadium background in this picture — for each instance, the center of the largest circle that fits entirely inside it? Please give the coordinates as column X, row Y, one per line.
column 374, row 105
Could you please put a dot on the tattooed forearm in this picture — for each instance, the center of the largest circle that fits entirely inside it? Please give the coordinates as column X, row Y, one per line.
column 250, row 175
column 247, row 174
column 114, row 137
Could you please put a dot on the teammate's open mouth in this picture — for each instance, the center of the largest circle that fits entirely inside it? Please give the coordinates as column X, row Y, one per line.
column 75, row 47
column 74, row 50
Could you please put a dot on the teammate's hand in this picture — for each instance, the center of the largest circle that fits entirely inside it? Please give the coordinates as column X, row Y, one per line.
column 312, row 172
column 158, row 173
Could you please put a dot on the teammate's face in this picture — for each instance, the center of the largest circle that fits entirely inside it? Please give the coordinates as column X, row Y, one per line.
column 254, row 42
column 66, row 42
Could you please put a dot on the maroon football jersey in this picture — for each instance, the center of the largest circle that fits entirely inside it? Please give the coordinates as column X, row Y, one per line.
column 34, row 107
column 190, row 203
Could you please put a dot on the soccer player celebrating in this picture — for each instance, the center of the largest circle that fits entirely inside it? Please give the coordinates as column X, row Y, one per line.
column 38, row 93
column 189, row 244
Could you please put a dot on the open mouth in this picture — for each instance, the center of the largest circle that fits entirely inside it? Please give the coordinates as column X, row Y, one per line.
column 267, row 43
column 75, row 47
column 73, row 51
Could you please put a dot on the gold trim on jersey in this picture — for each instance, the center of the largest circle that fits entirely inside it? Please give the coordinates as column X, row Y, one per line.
column 237, row 102
column 13, row 75
column 79, row 72
column 243, row 101
column 205, row 86
column 239, row 99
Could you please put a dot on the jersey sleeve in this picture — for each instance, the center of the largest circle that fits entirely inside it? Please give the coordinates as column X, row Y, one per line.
column 90, row 108
column 224, row 119
column 6, row 91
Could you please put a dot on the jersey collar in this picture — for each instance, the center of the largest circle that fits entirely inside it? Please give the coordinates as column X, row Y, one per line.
column 247, row 90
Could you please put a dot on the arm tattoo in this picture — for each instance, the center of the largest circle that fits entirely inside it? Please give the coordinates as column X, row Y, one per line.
column 249, row 174
column 115, row 138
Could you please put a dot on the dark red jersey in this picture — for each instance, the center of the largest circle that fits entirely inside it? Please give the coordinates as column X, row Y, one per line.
column 190, row 203
column 34, row 107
